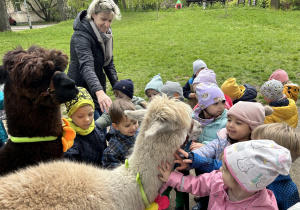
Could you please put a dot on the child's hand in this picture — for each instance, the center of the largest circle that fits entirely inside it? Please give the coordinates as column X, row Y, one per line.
column 195, row 145
column 192, row 95
column 184, row 163
column 165, row 170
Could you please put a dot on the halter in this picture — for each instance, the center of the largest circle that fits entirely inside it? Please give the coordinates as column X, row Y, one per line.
column 188, row 135
column 50, row 90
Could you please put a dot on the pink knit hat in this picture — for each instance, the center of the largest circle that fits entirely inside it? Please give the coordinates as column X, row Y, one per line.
column 252, row 113
column 279, row 75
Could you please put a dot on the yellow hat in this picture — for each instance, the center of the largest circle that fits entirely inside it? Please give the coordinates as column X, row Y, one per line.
column 232, row 89
column 83, row 98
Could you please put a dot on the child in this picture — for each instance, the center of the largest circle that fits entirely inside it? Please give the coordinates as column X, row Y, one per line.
column 188, row 92
column 248, row 167
column 153, row 88
column 285, row 109
column 89, row 143
column 289, row 89
column 285, row 190
column 173, row 90
column 208, row 75
column 238, row 93
column 211, row 112
column 3, row 134
column 121, row 136
column 124, row 90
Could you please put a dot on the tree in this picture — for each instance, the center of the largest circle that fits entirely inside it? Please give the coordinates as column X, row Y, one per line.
column 275, row 4
column 61, row 6
column 44, row 6
column 4, row 24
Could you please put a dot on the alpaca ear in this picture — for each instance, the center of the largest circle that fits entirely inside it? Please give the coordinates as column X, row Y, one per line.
column 3, row 75
column 137, row 115
column 155, row 128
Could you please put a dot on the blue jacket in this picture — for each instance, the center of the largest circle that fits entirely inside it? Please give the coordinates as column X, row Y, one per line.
column 249, row 94
column 209, row 132
column 119, row 147
column 187, row 87
column 3, row 134
column 88, row 148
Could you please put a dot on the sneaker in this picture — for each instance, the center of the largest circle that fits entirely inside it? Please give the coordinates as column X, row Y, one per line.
column 197, row 207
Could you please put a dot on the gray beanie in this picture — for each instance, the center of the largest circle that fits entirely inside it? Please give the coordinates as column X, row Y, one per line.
column 197, row 65
column 272, row 89
column 170, row 88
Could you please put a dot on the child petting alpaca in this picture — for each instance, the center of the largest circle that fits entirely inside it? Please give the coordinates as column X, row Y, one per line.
column 153, row 87
column 284, row 189
column 285, row 109
column 121, row 136
column 124, row 90
column 89, row 142
column 248, row 167
column 239, row 93
column 188, row 92
column 290, row 89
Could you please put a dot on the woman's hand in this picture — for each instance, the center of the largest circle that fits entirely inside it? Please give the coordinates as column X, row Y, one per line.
column 195, row 145
column 165, row 170
column 103, row 100
column 184, row 163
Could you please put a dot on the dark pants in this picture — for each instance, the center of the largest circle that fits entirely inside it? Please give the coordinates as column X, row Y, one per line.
column 203, row 200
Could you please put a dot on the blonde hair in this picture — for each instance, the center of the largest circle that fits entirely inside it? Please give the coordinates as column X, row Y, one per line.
column 98, row 6
column 282, row 134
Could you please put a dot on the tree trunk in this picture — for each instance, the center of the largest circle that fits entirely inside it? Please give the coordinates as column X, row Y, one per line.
column 124, row 5
column 4, row 24
column 61, row 6
column 275, row 4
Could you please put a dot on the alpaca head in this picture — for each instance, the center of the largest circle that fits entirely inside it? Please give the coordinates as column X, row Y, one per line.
column 165, row 115
column 37, row 74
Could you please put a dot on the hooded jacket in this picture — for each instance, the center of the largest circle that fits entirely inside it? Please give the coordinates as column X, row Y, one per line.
column 87, row 59
column 249, row 94
column 288, row 114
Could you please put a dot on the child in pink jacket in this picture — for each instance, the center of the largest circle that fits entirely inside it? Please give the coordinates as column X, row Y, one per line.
column 248, row 167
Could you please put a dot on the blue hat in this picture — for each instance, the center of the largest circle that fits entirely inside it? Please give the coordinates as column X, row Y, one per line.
column 155, row 84
column 125, row 86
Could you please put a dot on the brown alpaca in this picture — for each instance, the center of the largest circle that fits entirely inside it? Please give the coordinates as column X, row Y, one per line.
column 35, row 86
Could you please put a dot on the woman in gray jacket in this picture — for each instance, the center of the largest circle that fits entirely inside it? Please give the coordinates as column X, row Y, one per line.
column 91, row 51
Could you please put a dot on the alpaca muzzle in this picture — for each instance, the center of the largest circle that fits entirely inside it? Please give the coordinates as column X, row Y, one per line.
column 187, row 139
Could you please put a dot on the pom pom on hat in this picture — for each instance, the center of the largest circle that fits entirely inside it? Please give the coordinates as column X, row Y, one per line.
column 231, row 88
column 272, row 89
column 206, row 75
column 252, row 113
column 155, row 83
column 255, row 164
column 125, row 86
column 279, row 75
column 172, row 89
column 198, row 64
column 83, row 98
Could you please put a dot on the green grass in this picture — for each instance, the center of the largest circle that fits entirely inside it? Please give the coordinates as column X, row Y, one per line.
column 247, row 43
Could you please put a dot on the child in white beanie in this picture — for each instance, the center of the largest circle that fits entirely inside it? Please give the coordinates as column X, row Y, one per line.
column 188, row 91
column 285, row 109
column 248, row 167
column 153, row 87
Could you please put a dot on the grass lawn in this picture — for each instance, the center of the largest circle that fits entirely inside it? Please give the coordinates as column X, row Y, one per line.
column 248, row 44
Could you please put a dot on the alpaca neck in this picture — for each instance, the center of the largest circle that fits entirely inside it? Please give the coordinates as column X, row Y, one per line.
column 146, row 157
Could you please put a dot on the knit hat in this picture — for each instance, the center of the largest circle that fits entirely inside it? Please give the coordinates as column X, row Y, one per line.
column 197, row 65
column 252, row 113
column 125, row 86
column 279, row 75
column 231, row 88
column 83, row 98
column 170, row 88
column 208, row 94
column 206, row 75
column 272, row 89
column 255, row 164
column 155, row 84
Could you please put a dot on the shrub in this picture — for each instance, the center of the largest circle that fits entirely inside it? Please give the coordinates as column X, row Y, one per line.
column 167, row 5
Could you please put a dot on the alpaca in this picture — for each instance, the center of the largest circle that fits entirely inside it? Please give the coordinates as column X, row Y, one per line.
column 69, row 185
column 35, row 86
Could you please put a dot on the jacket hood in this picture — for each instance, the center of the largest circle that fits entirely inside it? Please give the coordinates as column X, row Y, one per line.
column 286, row 112
column 81, row 23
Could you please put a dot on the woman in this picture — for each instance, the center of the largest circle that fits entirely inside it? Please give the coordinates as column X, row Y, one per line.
column 91, row 51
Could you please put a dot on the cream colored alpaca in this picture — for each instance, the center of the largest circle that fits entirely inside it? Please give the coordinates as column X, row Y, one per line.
column 69, row 185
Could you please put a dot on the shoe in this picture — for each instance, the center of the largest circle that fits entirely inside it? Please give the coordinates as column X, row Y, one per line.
column 197, row 207
column 197, row 199
column 179, row 208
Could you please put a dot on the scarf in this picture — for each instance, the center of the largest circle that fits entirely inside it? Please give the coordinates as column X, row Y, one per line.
column 81, row 131
column 105, row 40
column 204, row 122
